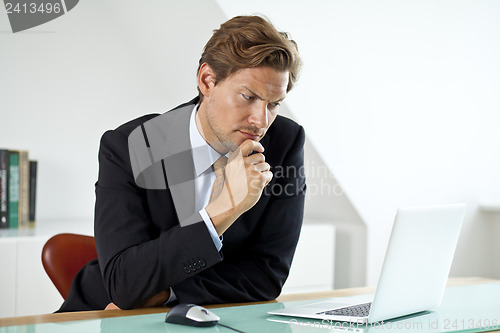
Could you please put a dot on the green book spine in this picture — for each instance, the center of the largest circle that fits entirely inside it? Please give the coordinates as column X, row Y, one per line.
column 13, row 189
column 24, row 175
column 4, row 182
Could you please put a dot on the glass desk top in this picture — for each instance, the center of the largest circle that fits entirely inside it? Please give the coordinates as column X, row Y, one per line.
column 474, row 308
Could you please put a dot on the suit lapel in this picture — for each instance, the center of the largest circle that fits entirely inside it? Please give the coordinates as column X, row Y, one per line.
column 166, row 160
column 179, row 167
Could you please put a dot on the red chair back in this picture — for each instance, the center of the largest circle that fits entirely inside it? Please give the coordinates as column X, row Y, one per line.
column 64, row 255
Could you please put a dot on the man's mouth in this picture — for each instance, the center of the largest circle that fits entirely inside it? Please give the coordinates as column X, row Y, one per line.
column 250, row 135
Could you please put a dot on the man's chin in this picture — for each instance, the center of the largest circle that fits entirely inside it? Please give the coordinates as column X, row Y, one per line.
column 231, row 146
column 236, row 143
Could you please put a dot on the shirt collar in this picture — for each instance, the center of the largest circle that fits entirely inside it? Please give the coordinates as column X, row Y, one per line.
column 203, row 155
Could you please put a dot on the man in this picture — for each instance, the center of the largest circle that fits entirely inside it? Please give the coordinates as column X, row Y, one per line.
column 187, row 208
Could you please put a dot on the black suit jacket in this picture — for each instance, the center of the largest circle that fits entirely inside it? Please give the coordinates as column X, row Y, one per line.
column 142, row 248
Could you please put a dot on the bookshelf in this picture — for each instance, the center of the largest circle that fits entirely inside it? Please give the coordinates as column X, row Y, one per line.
column 18, row 178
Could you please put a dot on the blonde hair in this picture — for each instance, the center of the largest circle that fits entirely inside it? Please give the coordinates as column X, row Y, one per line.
column 248, row 42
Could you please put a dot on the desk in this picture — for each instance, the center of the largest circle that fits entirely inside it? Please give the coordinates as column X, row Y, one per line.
column 249, row 317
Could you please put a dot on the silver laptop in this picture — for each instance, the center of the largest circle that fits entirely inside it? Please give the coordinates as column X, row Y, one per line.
column 414, row 273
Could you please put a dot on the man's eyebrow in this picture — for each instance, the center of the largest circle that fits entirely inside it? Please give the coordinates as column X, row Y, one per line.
column 262, row 99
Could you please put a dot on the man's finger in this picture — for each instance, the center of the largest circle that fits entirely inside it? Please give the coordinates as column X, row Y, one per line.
column 261, row 167
column 255, row 159
column 268, row 176
column 248, row 146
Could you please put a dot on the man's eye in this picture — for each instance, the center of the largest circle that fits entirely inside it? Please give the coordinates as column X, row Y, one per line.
column 247, row 97
column 273, row 106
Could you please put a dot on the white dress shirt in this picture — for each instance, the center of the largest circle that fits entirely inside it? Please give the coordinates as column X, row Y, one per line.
column 204, row 157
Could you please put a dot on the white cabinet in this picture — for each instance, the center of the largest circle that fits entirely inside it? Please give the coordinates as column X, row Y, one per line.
column 35, row 293
column 313, row 264
column 8, row 258
column 25, row 288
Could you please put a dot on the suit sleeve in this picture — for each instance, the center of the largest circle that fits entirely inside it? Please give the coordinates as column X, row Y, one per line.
column 259, row 269
column 137, row 260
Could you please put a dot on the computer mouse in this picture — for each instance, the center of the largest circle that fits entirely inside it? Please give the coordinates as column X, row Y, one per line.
column 191, row 315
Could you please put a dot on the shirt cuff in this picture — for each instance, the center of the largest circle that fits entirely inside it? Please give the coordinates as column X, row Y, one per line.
column 211, row 229
column 171, row 298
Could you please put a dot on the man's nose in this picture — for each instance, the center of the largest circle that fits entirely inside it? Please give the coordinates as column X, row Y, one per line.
column 258, row 116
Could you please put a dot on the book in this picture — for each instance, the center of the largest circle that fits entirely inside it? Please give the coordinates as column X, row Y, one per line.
column 13, row 192
column 18, row 178
column 24, row 176
column 4, row 181
column 32, row 191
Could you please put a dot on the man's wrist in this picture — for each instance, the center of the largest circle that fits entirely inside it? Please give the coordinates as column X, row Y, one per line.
column 222, row 216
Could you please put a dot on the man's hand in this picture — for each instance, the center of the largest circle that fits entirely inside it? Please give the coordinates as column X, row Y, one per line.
column 245, row 178
column 111, row 306
column 157, row 300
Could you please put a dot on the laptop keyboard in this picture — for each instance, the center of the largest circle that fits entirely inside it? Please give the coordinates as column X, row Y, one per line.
column 360, row 310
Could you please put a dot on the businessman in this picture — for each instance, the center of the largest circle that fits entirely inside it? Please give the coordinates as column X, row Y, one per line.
column 187, row 207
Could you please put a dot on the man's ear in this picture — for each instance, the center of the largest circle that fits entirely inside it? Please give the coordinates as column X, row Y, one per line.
column 206, row 79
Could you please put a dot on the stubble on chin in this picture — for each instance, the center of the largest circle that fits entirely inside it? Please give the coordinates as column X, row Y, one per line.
column 226, row 141
column 219, row 139
column 230, row 146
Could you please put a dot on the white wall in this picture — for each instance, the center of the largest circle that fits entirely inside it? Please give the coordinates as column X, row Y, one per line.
column 106, row 62
column 400, row 98
column 64, row 83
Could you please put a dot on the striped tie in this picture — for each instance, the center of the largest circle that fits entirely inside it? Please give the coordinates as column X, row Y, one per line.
column 218, row 185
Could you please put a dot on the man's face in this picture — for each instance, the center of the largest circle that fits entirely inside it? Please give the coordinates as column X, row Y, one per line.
column 241, row 107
